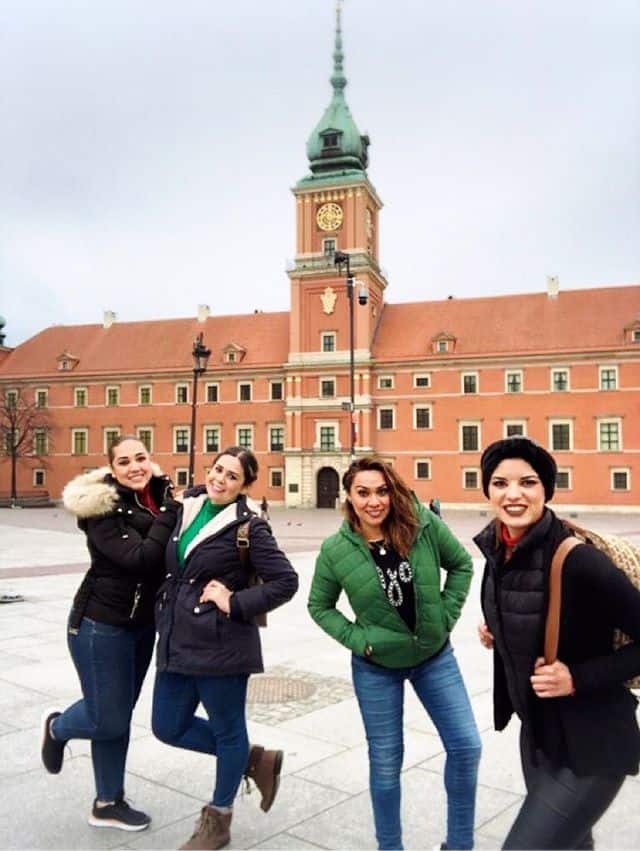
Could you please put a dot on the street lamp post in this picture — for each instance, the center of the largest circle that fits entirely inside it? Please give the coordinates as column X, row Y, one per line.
column 200, row 354
column 340, row 259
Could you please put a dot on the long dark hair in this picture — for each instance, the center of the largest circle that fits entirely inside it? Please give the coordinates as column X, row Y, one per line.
column 401, row 524
column 247, row 459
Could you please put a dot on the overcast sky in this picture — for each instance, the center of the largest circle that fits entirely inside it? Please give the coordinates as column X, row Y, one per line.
column 147, row 149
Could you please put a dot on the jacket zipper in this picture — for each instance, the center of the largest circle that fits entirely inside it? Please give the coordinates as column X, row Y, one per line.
column 136, row 600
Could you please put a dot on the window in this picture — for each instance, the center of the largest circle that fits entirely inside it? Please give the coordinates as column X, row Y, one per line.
column 42, row 398
column 513, row 381
column 514, row 428
column 329, row 247
column 330, row 140
column 471, row 479
column 276, row 391
column 80, row 397
column 561, row 435
column 230, row 357
column 40, row 441
column 608, row 377
column 327, row 437
column 385, row 382
column 110, row 436
column 112, row 396
column 327, row 388
column 469, row 437
column 182, row 394
column 559, row 380
column 386, row 418
column 469, row 382
column 276, row 477
column 635, row 335
column 276, row 439
column 11, row 398
column 182, row 477
column 145, row 435
column 244, row 391
column 422, row 381
column 144, row 394
column 211, row 439
column 423, row 469
column 563, row 479
column 39, row 478
column 181, row 439
column 328, row 341
column 245, row 436
column 422, row 417
column 213, row 392
column 610, row 435
column 442, row 346
column 620, row 479
column 79, row 441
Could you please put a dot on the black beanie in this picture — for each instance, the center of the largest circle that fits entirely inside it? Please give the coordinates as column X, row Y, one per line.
column 519, row 447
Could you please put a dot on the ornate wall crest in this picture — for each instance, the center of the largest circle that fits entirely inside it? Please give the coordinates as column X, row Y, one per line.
column 328, row 299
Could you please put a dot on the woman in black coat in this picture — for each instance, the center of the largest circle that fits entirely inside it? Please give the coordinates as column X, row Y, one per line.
column 579, row 736
column 127, row 513
column 208, row 641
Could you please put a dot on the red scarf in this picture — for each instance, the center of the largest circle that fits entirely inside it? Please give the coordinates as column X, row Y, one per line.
column 147, row 500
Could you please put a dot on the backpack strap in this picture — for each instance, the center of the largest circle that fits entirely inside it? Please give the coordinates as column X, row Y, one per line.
column 552, row 624
column 243, row 542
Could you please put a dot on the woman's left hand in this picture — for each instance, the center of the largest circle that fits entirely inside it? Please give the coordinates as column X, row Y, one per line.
column 216, row 592
column 553, row 680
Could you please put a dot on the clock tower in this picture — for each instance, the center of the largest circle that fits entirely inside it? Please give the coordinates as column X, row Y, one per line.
column 337, row 210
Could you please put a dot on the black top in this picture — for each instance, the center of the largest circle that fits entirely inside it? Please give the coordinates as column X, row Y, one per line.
column 396, row 578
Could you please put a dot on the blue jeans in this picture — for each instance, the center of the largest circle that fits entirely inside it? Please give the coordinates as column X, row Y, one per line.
column 111, row 662
column 441, row 690
column 224, row 735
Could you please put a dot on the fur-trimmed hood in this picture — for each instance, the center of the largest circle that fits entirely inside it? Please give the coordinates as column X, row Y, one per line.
column 95, row 493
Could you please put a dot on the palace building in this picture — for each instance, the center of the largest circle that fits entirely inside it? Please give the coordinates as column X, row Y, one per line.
column 427, row 385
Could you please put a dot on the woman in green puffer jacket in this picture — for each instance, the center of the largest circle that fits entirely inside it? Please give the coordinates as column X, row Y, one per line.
column 387, row 558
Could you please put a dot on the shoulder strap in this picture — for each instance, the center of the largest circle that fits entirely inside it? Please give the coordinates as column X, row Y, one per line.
column 552, row 625
column 243, row 542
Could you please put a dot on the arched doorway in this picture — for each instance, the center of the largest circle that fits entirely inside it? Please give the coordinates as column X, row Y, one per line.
column 328, row 487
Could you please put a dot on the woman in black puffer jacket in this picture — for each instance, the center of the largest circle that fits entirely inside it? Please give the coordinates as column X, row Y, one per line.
column 127, row 512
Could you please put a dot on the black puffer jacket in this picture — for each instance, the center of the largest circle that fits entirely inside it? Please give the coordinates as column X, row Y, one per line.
column 595, row 731
column 126, row 544
column 199, row 639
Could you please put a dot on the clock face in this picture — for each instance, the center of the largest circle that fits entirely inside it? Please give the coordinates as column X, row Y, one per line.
column 329, row 216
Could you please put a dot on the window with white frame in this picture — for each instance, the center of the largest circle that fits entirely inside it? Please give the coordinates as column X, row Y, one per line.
column 635, row 335
column 469, row 434
column 211, row 438
column 471, row 478
column 386, row 418
column 112, row 396
column 422, row 468
column 182, row 477
column 422, row 380
column 40, row 441
column 328, row 341
column 11, row 398
column 329, row 247
column 145, row 435
column 620, row 479
column 80, row 397
column 276, row 477
column 79, row 441
column 442, row 346
column 42, row 398
column 608, row 378
column 513, row 381
column 610, row 434
column 244, row 436
column 276, row 438
column 563, row 479
column 327, row 437
column 385, row 382
column 109, row 435
column 561, row 435
column 39, row 478
column 559, row 380
column 182, row 394
column 327, row 388
column 181, row 438
column 422, row 416
column 470, row 381
column 144, row 394
column 244, row 391
column 276, row 391
column 515, row 428
column 212, row 391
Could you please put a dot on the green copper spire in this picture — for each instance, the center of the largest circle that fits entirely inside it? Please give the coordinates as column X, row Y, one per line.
column 335, row 147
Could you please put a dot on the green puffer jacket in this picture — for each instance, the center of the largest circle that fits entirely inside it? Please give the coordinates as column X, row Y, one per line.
column 346, row 564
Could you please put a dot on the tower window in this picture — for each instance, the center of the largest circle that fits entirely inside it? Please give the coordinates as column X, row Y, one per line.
column 330, row 140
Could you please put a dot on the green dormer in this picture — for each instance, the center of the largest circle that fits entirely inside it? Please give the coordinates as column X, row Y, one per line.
column 335, row 149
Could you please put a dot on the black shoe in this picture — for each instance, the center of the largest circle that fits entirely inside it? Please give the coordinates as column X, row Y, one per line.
column 52, row 750
column 119, row 815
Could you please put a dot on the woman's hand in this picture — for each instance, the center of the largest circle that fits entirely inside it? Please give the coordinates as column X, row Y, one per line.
column 553, row 680
column 216, row 592
column 486, row 638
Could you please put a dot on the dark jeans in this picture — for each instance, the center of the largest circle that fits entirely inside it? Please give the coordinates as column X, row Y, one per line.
column 224, row 734
column 441, row 690
column 111, row 662
column 560, row 808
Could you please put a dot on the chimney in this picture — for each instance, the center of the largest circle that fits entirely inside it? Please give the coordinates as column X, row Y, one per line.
column 203, row 312
column 553, row 286
column 108, row 318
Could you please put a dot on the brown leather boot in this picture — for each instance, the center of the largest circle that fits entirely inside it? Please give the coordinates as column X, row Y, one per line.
column 264, row 769
column 211, row 831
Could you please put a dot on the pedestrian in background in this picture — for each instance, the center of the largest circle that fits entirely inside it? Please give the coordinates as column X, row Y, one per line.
column 579, row 736
column 127, row 513
column 264, row 509
column 208, row 641
column 387, row 558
